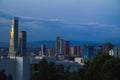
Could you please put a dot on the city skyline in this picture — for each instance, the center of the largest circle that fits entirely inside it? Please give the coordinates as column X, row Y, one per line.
column 74, row 20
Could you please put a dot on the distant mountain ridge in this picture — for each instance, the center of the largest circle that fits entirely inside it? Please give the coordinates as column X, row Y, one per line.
column 52, row 43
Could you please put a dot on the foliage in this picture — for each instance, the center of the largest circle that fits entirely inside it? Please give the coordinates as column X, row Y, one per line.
column 102, row 67
column 111, row 69
column 51, row 71
column 3, row 75
column 9, row 77
column 93, row 72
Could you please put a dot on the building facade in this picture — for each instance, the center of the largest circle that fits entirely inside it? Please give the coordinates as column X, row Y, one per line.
column 43, row 49
column 13, row 49
column 88, row 52
column 115, row 52
column 59, row 46
column 106, row 47
column 22, row 43
column 75, row 51
column 67, row 48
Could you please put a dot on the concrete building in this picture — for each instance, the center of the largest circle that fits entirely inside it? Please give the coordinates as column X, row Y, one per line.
column 106, row 47
column 51, row 52
column 43, row 49
column 13, row 49
column 75, row 51
column 59, row 46
column 88, row 52
column 115, row 52
column 79, row 60
column 111, row 52
column 18, row 67
column 67, row 48
column 72, row 66
column 22, row 44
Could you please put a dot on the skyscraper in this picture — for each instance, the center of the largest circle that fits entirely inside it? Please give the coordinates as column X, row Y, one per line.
column 59, row 46
column 13, row 49
column 75, row 51
column 106, row 47
column 22, row 44
column 67, row 48
column 88, row 52
column 43, row 49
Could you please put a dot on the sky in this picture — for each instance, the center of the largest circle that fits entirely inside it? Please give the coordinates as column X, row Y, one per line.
column 85, row 20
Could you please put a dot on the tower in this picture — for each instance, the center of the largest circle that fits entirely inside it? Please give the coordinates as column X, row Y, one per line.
column 61, row 46
column 22, row 43
column 13, row 49
column 58, row 45
column 67, row 48
column 43, row 49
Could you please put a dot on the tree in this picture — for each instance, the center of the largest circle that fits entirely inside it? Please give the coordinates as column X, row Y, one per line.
column 9, row 77
column 111, row 69
column 2, row 75
column 43, row 70
column 93, row 71
column 82, row 70
column 60, row 72
column 52, row 71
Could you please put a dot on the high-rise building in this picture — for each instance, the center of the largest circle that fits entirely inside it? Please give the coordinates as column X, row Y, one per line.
column 88, row 52
column 115, row 52
column 51, row 52
column 106, row 47
column 59, row 46
column 22, row 43
column 43, row 49
column 75, row 51
column 13, row 49
column 67, row 48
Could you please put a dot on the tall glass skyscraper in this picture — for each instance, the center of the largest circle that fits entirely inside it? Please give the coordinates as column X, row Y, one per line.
column 13, row 49
column 59, row 46
column 22, row 43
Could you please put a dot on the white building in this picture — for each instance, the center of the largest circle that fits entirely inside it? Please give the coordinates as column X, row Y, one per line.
column 79, row 60
column 18, row 67
column 73, row 67
column 115, row 52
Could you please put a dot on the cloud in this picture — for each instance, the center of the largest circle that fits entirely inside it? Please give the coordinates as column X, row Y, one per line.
column 5, row 20
column 39, row 19
column 75, row 31
column 48, row 29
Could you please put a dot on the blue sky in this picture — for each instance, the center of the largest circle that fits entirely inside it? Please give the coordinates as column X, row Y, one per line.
column 89, row 20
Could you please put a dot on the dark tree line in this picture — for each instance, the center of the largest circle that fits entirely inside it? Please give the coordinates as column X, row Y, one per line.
column 3, row 76
column 51, row 71
column 102, row 67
